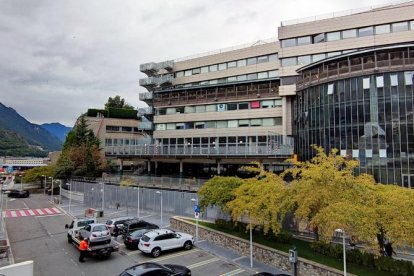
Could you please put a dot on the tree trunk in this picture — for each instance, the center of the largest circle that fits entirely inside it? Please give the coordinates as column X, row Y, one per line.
column 316, row 233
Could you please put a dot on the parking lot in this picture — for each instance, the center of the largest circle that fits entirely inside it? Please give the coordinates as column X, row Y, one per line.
column 44, row 240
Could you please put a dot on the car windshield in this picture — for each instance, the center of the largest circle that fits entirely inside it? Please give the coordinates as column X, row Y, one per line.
column 99, row 228
column 138, row 233
column 109, row 222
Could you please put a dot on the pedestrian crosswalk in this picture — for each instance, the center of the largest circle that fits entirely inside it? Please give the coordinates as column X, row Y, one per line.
column 32, row 212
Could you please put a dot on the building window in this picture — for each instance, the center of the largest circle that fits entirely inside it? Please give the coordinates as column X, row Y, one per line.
column 204, row 82
column 333, row 36
column 171, row 110
column 330, row 89
column 241, row 78
column 256, row 122
column 278, row 121
column 241, row 63
column 222, row 80
column 367, row 31
column 211, row 108
column 231, row 106
column 412, row 25
column 332, row 54
column 231, row 79
column 291, row 42
column 251, row 61
column 394, row 79
column 222, row 66
column 273, row 57
column 221, row 124
column 232, row 123
column 399, row 27
column 366, row 83
column 380, row 81
column 408, row 77
column 289, row 61
column 252, row 76
column 112, row 128
column 318, row 57
column 382, row 29
column 232, row 64
column 262, row 75
column 304, row 40
column 273, row 74
column 262, row 59
column 196, row 71
column 200, row 125
column 211, row 124
column 179, row 74
column 319, row 38
column 244, row 123
column 213, row 68
column 187, row 73
column 200, row 109
column 267, row 104
column 349, row 34
column 288, row 80
column 170, row 126
column 204, row 69
column 213, row 81
column 303, row 60
column 189, row 109
column 278, row 102
column 179, row 126
column 255, row 105
column 127, row 129
column 268, row 122
column 243, row 106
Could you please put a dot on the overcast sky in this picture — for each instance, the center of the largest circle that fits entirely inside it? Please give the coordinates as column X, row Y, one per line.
column 59, row 58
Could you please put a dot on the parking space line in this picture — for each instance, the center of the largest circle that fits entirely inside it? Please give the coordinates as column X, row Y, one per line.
column 203, row 263
column 234, row 272
column 169, row 256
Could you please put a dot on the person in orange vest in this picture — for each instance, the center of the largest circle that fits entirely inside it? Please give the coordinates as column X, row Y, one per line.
column 83, row 247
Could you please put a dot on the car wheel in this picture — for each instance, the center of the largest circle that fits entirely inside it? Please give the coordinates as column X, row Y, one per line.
column 69, row 239
column 156, row 252
column 188, row 245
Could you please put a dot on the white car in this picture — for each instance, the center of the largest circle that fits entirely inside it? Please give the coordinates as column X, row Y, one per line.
column 156, row 241
column 96, row 233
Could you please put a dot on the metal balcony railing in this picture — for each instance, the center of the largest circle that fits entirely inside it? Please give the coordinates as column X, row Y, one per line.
column 152, row 82
column 145, row 110
column 230, row 149
column 151, row 68
column 145, row 96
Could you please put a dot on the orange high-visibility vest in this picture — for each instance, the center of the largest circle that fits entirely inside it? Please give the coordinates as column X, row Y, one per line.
column 83, row 245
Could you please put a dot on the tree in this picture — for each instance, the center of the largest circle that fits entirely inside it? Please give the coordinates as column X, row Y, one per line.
column 117, row 102
column 38, row 173
column 259, row 198
column 218, row 191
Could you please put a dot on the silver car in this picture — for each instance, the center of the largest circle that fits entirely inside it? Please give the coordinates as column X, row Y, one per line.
column 96, row 233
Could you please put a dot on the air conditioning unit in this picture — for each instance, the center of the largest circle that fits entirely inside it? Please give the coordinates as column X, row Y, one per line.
column 221, row 107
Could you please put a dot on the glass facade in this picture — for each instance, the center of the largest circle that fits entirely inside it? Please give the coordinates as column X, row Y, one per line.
column 369, row 118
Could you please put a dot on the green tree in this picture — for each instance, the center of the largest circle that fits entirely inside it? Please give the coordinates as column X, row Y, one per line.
column 38, row 173
column 117, row 102
column 218, row 191
column 259, row 198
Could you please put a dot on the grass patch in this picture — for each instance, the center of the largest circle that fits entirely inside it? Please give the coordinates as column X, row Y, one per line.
column 303, row 247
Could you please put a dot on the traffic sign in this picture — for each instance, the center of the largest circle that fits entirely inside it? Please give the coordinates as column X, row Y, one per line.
column 196, row 215
column 197, row 208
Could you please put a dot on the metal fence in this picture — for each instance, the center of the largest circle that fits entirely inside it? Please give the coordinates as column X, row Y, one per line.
column 140, row 199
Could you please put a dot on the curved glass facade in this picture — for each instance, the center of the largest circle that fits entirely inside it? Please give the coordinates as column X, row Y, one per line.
column 366, row 114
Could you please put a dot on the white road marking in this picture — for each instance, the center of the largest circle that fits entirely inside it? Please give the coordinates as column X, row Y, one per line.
column 23, row 213
column 48, row 211
column 239, row 258
column 56, row 210
column 40, row 211
column 31, row 212
column 203, row 263
column 234, row 272
column 13, row 214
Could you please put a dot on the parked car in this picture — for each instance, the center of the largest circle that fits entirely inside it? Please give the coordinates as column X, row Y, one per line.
column 18, row 193
column 156, row 241
column 151, row 268
column 96, row 233
column 135, row 224
column 116, row 223
column 132, row 239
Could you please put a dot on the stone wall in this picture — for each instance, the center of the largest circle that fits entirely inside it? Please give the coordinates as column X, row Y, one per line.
column 261, row 253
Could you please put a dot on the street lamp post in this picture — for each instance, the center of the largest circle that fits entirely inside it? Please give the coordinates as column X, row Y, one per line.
column 160, row 193
column 70, row 194
column 51, row 177
column 137, row 188
column 44, row 186
column 60, row 193
column 343, row 243
column 251, row 242
column 103, row 195
column 197, row 216
column 21, row 182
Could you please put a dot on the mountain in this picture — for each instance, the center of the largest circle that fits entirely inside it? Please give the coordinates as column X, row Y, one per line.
column 12, row 144
column 57, row 129
column 33, row 134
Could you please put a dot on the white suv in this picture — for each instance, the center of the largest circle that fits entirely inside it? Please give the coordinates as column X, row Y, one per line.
column 155, row 241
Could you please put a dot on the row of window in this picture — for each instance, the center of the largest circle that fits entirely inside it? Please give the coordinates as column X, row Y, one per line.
column 307, row 59
column 366, row 82
column 221, row 124
column 219, row 107
column 214, row 140
column 346, row 34
column 246, row 77
column 226, row 65
column 120, row 141
column 121, row 129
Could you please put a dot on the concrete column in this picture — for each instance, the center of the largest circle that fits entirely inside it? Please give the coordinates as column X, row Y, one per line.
column 149, row 167
column 218, row 167
column 121, row 164
column 156, row 167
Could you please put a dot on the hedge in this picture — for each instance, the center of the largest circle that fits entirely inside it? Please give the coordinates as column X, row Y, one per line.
column 113, row 113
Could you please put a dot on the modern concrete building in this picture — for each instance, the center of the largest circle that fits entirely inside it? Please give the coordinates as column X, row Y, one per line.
column 217, row 111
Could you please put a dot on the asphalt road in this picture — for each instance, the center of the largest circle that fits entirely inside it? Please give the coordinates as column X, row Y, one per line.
column 42, row 238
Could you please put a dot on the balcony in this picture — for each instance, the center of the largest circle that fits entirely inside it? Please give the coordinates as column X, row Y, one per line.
column 145, row 111
column 151, row 68
column 145, row 96
column 145, row 126
column 154, row 82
